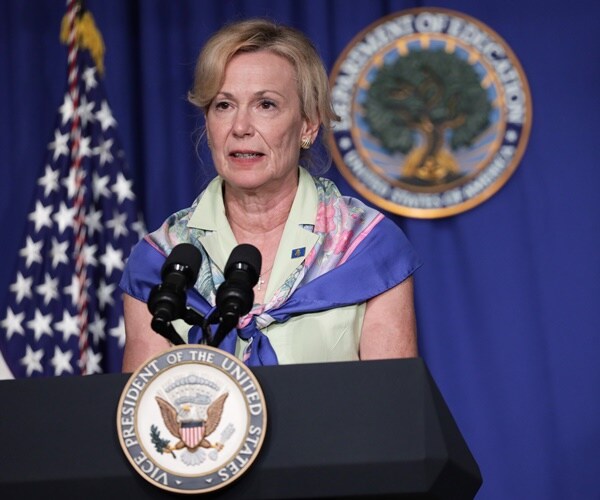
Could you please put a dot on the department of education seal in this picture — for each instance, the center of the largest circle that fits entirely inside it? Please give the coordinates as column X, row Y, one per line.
column 192, row 419
column 435, row 112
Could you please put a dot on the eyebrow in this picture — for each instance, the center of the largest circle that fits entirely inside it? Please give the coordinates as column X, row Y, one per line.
column 260, row 93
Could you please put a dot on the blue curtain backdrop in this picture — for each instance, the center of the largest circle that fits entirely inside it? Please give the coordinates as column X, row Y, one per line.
column 508, row 299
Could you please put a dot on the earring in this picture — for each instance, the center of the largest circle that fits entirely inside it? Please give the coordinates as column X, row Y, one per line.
column 306, row 143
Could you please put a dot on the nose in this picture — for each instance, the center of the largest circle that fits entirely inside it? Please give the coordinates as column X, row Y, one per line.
column 242, row 123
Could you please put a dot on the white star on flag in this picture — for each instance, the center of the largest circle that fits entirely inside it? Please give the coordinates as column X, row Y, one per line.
column 84, row 147
column 40, row 324
column 100, row 184
column 31, row 252
column 86, row 112
column 98, row 328
column 89, row 77
column 21, row 287
column 61, row 361
column 93, row 361
column 59, row 145
column 64, row 217
column 58, row 253
column 66, row 110
column 122, row 188
column 93, row 221
column 118, row 224
column 70, row 183
column 32, row 360
column 105, row 294
column 41, row 216
column 119, row 332
column 105, row 116
column 73, row 290
column 13, row 323
column 89, row 255
column 112, row 259
column 48, row 289
column 49, row 181
column 68, row 326
column 103, row 152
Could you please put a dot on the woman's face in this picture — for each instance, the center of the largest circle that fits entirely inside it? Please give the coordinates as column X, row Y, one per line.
column 255, row 125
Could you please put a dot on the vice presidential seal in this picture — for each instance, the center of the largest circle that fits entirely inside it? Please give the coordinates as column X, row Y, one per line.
column 435, row 112
column 192, row 420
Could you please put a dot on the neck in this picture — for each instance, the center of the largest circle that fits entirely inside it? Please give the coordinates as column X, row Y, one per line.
column 260, row 219
column 256, row 215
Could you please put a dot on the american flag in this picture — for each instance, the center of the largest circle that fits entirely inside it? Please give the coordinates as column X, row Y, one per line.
column 64, row 314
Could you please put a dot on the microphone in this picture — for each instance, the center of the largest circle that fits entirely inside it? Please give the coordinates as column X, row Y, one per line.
column 235, row 296
column 167, row 300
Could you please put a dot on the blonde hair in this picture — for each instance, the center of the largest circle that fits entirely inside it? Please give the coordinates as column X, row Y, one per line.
column 254, row 35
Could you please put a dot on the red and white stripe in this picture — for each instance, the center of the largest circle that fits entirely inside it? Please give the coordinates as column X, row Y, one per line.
column 192, row 435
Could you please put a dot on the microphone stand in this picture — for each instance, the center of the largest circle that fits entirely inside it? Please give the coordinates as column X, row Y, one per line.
column 191, row 317
column 222, row 330
column 167, row 331
column 220, row 335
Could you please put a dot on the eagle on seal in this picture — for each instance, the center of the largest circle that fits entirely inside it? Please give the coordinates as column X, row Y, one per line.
column 189, row 427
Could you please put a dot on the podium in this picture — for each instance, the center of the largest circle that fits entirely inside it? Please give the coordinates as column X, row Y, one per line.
column 369, row 429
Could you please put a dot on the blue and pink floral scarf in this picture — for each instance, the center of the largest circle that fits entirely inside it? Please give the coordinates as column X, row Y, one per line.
column 359, row 254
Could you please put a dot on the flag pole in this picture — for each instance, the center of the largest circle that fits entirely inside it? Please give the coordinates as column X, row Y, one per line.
column 79, row 228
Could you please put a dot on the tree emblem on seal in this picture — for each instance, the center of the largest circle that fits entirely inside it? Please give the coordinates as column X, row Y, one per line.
column 426, row 105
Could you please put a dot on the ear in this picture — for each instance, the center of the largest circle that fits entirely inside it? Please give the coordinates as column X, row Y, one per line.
column 311, row 130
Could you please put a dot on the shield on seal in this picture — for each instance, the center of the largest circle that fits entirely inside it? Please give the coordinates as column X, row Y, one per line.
column 192, row 433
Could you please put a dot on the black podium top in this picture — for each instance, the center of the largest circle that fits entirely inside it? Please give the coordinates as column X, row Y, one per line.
column 336, row 430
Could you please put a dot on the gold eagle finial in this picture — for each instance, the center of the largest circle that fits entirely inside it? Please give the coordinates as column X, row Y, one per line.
column 87, row 36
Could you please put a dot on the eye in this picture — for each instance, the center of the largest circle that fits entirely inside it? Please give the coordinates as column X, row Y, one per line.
column 222, row 105
column 267, row 104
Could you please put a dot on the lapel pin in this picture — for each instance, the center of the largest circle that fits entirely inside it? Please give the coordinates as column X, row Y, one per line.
column 298, row 252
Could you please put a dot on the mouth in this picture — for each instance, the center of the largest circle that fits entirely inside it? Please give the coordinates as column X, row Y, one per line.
column 244, row 155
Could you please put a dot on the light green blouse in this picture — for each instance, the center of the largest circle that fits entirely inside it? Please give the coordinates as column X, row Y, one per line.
column 331, row 335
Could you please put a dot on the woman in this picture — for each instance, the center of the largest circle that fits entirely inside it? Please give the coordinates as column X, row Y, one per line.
column 336, row 278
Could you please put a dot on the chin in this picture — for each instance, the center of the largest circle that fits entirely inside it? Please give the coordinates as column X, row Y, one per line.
column 248, row 181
